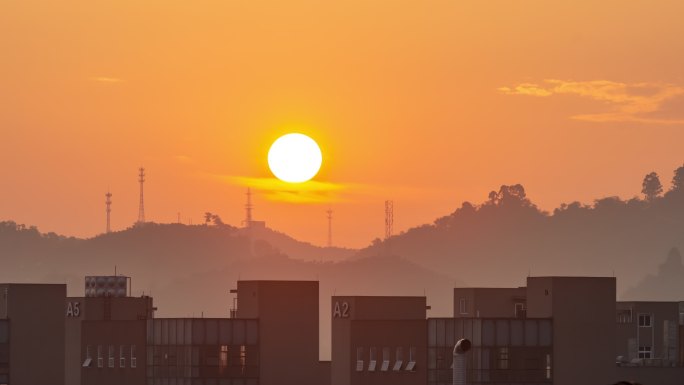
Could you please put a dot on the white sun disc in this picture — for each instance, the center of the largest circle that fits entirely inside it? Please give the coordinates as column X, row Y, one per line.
column 294, row 158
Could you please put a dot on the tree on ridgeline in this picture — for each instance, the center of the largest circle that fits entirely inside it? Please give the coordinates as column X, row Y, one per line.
column 217, row 220
column 678, row 180
column 208, row 218
column 509, row 195
column 651, row 186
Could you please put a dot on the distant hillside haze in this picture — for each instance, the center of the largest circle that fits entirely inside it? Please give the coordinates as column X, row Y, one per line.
column 667, row 284
column 498, row 243
column 507, row 238
column 189, row 270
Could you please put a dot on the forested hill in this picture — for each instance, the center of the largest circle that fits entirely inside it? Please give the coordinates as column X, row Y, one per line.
column 205, row 261
column 507, row 237
column 27, row 254
column 496, row 243
column 189, row 270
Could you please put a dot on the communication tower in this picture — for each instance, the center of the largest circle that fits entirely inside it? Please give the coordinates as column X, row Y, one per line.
column 141, row 207
column 389, row 219
column 248, row 209
column 108, row 202
column 329, row 212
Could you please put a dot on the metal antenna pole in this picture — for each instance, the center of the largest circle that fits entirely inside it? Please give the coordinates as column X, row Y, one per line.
column 141, row 207
column 389, row 219
column 389, row 225
column 108, row 202
column 248, row 208
column 329, row 212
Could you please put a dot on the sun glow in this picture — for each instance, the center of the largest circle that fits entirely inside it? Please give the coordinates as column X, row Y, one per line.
column 294, row 158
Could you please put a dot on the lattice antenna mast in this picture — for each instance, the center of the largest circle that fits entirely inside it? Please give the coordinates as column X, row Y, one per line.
column 248, row 208
column 389, row 225
column 108, row 202
column 329, row 212
column 141, row 207
column 389, row 219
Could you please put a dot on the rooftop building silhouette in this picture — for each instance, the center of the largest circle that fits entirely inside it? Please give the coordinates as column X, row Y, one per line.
column 555, row 330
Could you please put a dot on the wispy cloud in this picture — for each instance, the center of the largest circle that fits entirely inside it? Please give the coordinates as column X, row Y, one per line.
column 185, row 159
column 277, row 190
column 106, row 79
column 638, row 102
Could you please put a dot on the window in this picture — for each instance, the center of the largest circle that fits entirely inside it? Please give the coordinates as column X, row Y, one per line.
column 359, row 359
column 624, row 316
column 411, row 364
column 548, row 366
column 372, row 360
column 520, row 310
column 645, row 320
column 223, row 359
column 243, row 358
column 463, row 306
column 503, row 359
column 398, row 359
column 134, row 359
column 122, row 357
column 110, row 361
column 100, row 359
column 645, row 352
column 4, row 331
column 385, row 359
column 88, row 359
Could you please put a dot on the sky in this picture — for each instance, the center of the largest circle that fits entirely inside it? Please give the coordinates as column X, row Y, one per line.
column 426, row 103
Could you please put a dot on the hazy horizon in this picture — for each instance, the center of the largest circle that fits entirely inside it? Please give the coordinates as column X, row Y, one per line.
column 425, row 105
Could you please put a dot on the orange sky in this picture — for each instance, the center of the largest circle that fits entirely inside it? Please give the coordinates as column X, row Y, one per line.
column 428, row 103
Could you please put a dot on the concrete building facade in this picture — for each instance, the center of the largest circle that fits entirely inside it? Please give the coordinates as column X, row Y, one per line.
column 107, row 302
column 504, row 350
column 113, row 352
column 490, row 302
column 32, row 328
column 288, row 329
column 583, row 313
column 4, row 351
column 648, row 333
column 555, row 330
column 378, row 340
column 203, row 351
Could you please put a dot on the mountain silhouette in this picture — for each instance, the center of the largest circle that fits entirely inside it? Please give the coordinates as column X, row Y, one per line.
column 666, row 285
column 507, row 237
column 189, row 270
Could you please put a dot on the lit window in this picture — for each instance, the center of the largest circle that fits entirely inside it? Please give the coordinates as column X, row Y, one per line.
column 223, row 359
column 100, row 358
column 463, row 306
column 243, row 358
column 372, row 360
column 645, row 320
column 134, row 359
column 122, row 357
column 411, row 364
column 399, row 359
column 503, row 358
column 359, row 359
column 520, row 310
column 645, row 352
column 89, row 359
column 548, row 366
column 110, row 361
column 385, row 359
